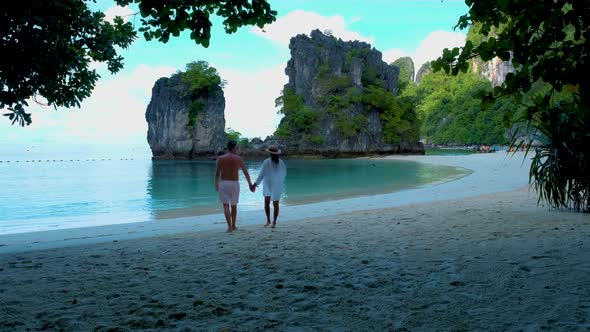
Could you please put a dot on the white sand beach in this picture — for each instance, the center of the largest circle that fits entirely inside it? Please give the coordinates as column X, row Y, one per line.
column 476, row 253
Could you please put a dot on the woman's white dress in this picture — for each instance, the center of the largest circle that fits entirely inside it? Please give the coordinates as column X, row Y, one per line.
column 273, row 175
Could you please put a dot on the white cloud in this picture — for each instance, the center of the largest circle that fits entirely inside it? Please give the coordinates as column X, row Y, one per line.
column 114, row 11
column 116, row 109
column 433, row 45
column 250, row 100
column 391, row 55
column 429, row 49
column 299, row 21
column 114, row 113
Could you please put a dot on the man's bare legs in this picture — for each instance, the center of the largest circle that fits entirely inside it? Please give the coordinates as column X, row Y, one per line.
column 275, row 205
column 228, row 217
column 234, row 216
column 267, row 210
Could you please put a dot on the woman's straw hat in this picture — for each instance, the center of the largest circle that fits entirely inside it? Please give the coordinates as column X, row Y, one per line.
column 273, row 150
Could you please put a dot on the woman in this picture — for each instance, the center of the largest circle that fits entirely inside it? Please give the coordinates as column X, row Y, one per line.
column 272, row 172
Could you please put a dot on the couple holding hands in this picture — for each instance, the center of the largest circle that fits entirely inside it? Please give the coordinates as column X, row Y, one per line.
column 272, row 176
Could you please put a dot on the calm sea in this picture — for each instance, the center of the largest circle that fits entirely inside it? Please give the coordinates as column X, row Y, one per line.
column 47, row 188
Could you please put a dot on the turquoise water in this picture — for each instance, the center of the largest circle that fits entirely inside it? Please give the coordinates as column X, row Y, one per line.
column 447, row 152
column 45, row 194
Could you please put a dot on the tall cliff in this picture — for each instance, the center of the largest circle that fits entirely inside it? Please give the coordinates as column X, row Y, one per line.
column 340, row 100
column 185, row 121
column 494, row 70
column 406, row 69
column 424, row 70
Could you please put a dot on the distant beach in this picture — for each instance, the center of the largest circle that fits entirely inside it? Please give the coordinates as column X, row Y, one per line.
column 472, row 254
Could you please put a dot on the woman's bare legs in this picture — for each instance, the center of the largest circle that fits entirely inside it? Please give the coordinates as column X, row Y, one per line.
column 267, row 209
column 275, row 205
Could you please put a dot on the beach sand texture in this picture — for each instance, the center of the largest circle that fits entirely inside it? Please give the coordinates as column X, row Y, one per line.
column 493, row 262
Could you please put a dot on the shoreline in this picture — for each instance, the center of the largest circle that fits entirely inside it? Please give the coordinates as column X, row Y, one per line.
column 484, row 179
column 491, row 262
column 290, row 202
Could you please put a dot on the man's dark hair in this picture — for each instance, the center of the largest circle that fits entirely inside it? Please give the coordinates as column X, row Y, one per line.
column 231, row 145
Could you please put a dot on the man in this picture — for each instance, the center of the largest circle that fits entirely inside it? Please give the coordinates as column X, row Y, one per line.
column 229, row 187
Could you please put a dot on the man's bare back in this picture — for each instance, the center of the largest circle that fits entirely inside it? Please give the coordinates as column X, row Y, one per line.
column 228, row 165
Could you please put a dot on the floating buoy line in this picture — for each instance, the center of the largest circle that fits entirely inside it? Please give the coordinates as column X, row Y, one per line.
column 62, row 160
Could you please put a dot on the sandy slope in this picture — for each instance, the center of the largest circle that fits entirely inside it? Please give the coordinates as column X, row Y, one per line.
column 492, row 262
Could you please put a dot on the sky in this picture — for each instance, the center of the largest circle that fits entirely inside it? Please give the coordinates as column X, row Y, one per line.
column 251, row 61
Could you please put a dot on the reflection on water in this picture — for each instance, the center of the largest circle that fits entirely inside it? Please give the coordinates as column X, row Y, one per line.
column 173, row 183
column 332, row 179
column 47, row 195
column 180, row 185
column 185, row 188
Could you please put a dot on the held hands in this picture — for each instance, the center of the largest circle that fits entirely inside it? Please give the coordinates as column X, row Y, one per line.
column 253, row 187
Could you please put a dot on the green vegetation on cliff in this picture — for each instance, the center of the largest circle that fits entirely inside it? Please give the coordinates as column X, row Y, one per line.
column 452, row 113
column 300, row 119
column 198, row 81
column 406, row 71
column 548, row 43
column 400, row 123
column 450, row 107
column 355, row 53
column 200, row 78
column 347, row 105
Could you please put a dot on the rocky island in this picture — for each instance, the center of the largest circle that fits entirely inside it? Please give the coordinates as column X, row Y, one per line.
column 341, row 100
column 185, row 115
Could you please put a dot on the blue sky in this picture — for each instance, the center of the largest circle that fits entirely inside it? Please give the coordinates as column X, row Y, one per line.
column 251, row 61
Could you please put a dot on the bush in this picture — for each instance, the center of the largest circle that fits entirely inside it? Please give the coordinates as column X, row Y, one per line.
column 355, row 53
column 451, row 110
column 299, row 117
column 399, row 118
column 199, row 78
column 317, row 140
column 233, row 135
column 560, row 168
column 197, row 83
column 237, row 136
column 196, row 106
column 350, row 127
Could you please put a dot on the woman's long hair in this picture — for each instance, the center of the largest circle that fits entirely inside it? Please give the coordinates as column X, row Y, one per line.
column 274, row 158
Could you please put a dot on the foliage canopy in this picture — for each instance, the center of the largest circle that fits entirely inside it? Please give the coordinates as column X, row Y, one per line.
column 299, row 118
column 160, row 19
column 198, row 82
column 548, row 42
column 236, row 136
column 49, row 46
column 451, row 112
